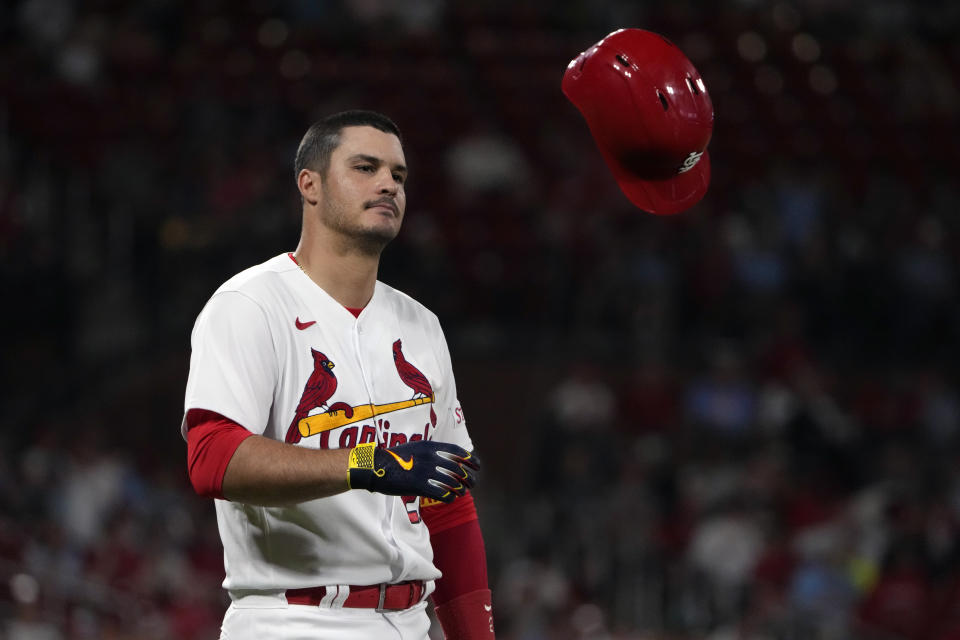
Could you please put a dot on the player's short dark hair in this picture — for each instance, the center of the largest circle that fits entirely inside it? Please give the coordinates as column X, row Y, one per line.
column 323, row 137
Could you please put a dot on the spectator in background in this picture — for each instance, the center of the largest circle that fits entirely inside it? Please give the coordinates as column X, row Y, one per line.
column 485, row 160
column 726, row 545
column 723, row 402
column 29, row 621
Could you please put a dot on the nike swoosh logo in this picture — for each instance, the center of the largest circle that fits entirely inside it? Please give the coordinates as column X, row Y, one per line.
column 304, row 325
column 406, row 464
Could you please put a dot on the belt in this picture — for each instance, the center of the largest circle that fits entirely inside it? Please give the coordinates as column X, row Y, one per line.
column 382, row 597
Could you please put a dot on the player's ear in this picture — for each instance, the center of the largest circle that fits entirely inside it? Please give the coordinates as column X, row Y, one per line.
column 308, row 182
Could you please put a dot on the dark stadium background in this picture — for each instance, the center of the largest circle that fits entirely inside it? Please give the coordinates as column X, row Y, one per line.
column 740, row 422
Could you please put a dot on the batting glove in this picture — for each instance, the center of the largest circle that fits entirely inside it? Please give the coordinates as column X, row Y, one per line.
column 435, row 470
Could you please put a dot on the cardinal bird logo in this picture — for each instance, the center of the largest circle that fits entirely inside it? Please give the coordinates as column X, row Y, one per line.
column 413, row 377
column 319, row 388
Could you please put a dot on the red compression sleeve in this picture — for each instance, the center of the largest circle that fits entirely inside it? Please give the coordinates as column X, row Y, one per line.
column 212, row 440
column 458, row 549
column 462, row 597
column 467, row 617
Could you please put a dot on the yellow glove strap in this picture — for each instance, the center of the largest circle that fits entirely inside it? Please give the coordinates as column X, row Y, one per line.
column 361, row 457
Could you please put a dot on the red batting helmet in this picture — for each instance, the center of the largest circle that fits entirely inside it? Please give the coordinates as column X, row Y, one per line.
column 649, row 113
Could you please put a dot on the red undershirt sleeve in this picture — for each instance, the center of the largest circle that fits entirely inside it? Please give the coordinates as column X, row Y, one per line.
column 458, row 549
column 462, row 599
column 212, row 440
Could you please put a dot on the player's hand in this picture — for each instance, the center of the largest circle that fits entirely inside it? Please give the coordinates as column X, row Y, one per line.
column 435, row 470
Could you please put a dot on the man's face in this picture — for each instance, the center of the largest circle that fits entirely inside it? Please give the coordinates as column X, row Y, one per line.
column 363, row 196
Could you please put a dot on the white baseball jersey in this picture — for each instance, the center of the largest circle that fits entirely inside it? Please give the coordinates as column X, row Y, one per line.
column 263, row 347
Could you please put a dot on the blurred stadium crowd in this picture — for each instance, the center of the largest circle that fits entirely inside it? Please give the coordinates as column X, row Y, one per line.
column 737, row 423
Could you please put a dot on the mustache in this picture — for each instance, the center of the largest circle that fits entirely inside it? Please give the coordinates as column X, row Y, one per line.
column 389, row 202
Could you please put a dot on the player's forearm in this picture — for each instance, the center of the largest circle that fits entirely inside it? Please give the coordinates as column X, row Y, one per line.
column 269, row 473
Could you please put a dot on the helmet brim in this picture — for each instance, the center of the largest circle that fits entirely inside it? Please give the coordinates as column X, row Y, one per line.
column 665, row 196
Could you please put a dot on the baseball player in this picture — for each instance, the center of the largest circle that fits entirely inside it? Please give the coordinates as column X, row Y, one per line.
column 321, row 413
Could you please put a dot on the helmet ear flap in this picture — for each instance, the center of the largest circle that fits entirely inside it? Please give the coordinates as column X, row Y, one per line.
column 650, row 115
